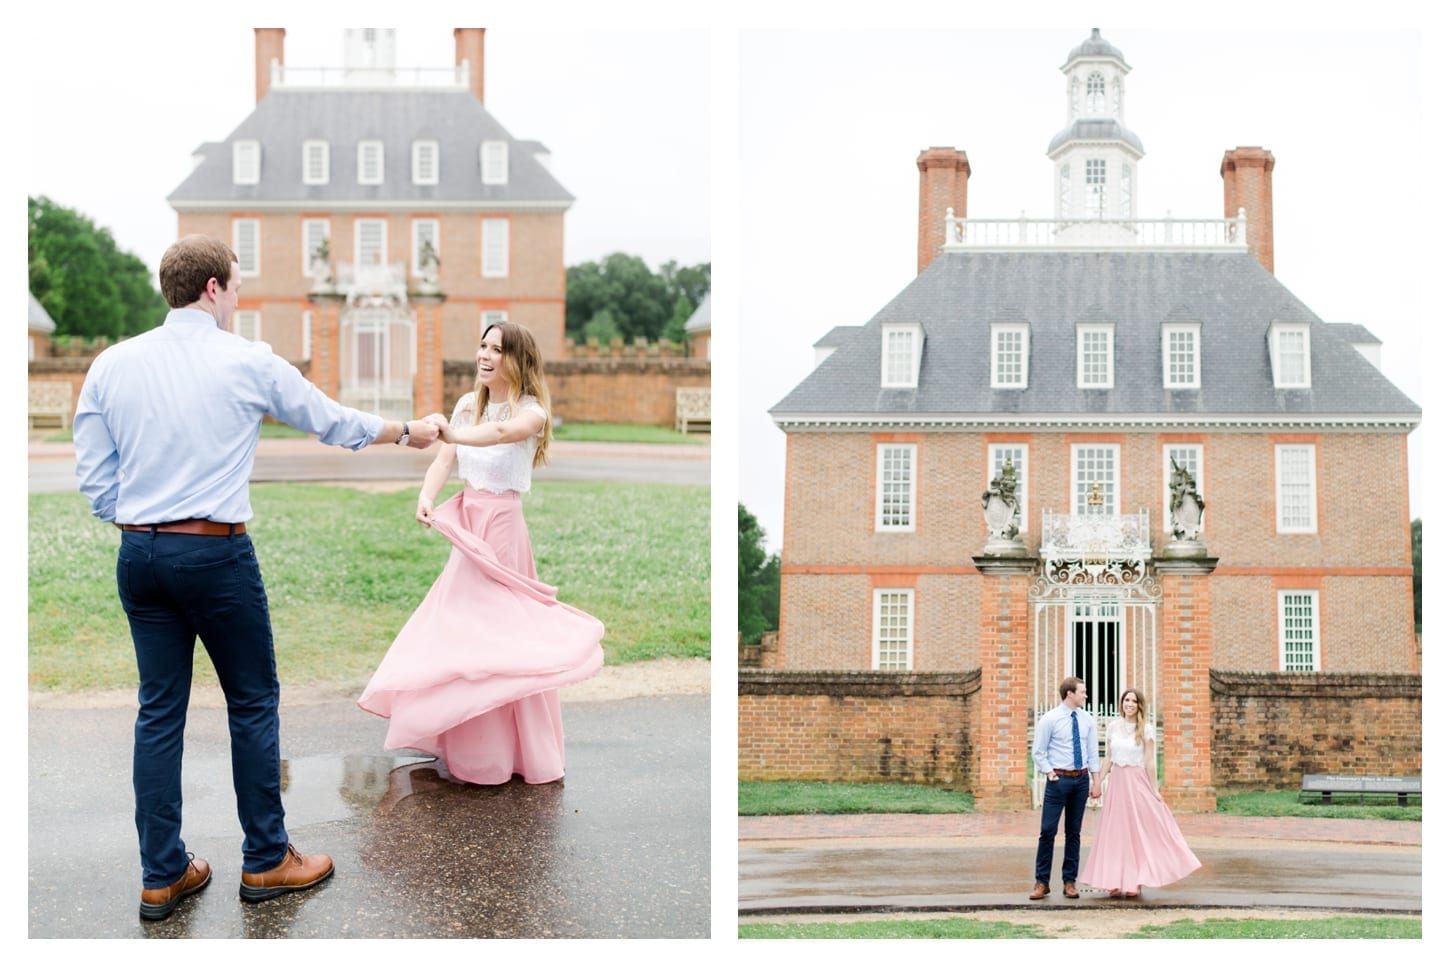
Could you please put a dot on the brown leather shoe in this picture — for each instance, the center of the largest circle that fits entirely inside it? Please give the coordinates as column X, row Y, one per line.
column 295, row 872
column 1039, row 890
column 1069, row 890
column 157, row 904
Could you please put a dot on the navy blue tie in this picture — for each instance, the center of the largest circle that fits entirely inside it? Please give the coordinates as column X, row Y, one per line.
column 1076, row 744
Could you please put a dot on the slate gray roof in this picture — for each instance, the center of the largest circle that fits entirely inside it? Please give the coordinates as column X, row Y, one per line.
column 1094, row 129
column 342, row 117
column 699, row 319
column 959, row 296
column 1354, row 333
column 40, row 320
column 1094, row 46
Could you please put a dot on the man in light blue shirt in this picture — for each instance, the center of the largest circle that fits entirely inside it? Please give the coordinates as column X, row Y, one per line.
column 1065, row 750
column 166, row 430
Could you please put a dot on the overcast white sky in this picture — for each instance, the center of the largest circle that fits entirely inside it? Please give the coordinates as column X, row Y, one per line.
column 625, row 114
column 831, row 123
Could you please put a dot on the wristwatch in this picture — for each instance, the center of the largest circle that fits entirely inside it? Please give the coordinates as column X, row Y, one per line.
column 402, row 441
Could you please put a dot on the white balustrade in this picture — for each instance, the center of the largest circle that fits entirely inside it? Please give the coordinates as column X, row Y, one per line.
column 1180, row 234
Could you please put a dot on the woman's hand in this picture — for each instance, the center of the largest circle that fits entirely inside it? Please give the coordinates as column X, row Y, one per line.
column 424, row 513
column 445, row 429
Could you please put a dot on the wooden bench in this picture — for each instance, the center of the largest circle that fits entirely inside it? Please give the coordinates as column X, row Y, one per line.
column 1326, row 789
column 692, row 408
column 50, row 403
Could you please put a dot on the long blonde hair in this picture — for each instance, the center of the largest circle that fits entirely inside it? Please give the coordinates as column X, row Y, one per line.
column 524, row 367
column 1142, row 715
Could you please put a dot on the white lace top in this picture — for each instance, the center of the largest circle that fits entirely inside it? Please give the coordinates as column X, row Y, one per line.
column 505, row 466
column 1123, row 747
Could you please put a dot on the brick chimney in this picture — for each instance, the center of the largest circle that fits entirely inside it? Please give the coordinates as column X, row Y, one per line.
column 944, row 174
column 468, row 45
column 269, row 48
column 1248, row 184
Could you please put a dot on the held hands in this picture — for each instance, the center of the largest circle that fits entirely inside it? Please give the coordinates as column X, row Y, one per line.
column 423, row 433
column 438, row 420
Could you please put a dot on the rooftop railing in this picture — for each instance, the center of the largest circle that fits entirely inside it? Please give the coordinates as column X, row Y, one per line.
column 432, row 78
column 1173, row 234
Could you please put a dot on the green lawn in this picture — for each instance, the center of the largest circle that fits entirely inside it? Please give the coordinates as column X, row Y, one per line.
column 344, row 569
column 806, row 798
column 578, row 432
column 968, row 928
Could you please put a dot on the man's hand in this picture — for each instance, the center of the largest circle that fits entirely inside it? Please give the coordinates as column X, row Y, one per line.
column 1095, row 791
column 422, row 433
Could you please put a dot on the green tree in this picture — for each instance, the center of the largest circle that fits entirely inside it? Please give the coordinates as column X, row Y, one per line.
column 675, row 328
column 641, row 302
column 758, row 587
column 1415, row 561
column 89, row 286
column 601, row 327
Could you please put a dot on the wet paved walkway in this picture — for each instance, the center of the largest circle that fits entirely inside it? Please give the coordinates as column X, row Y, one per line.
column 619, row 848
column 886, row 863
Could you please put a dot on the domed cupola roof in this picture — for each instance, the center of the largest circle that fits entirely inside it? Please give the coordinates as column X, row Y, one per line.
column 1095, row 46
column 1095, row 129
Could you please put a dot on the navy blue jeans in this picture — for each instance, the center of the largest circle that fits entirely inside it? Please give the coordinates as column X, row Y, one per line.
column 1064, row 799
column 174, row 589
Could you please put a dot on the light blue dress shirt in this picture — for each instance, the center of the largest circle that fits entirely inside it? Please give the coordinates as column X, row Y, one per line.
column 166, row 424
column 1052, row 747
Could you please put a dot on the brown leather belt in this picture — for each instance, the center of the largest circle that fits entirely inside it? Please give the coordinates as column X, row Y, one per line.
column 1069, row 772
column 207, row 528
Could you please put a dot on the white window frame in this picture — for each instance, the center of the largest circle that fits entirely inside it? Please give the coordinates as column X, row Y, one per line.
column 1309, row 452
column 493, row 162
column 997, row 454
column 1095, row 186
column 1000, row 332
column 900, row 369
column 889, row 488
column 249, row 257
column 901, row 657
column 1194, row 452
column 357, row 240
column 246, row 162
column 1194, row 332
column 1083, row 331
column 314, row 231
column 306, row 333
column 247, row 323
column 1290, row 625
column 418, row 226
column 495, row 252
column 425, row 150
column 1082, row 482
column 1279, row 333
column 320, row 151
column 488, row 317
column 366, row 176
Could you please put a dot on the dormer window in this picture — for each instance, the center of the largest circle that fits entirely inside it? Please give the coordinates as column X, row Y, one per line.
column 1095, row 357
column 1011, row 345
column 494, row 159
column 1180, row 356
column 315, row 163
column 900, row 355
column 1289, row 354
column 425, row 162
column 246, row 162
column 370, row 162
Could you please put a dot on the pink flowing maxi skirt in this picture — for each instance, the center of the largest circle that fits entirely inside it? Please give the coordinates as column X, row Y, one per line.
column 472, row 677
column 1137, row 842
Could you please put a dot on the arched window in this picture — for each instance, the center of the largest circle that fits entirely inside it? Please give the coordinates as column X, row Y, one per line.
column 1096, row 93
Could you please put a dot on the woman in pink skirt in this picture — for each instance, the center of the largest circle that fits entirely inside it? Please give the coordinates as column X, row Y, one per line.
column 473, row 676
column 1137, row 842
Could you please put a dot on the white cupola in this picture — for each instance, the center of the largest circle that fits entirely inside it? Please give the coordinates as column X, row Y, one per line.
column 1095, row 158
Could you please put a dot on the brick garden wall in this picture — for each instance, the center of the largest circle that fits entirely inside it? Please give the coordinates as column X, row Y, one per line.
column 1270, row 728
column 910, row 727
column 618, row 384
